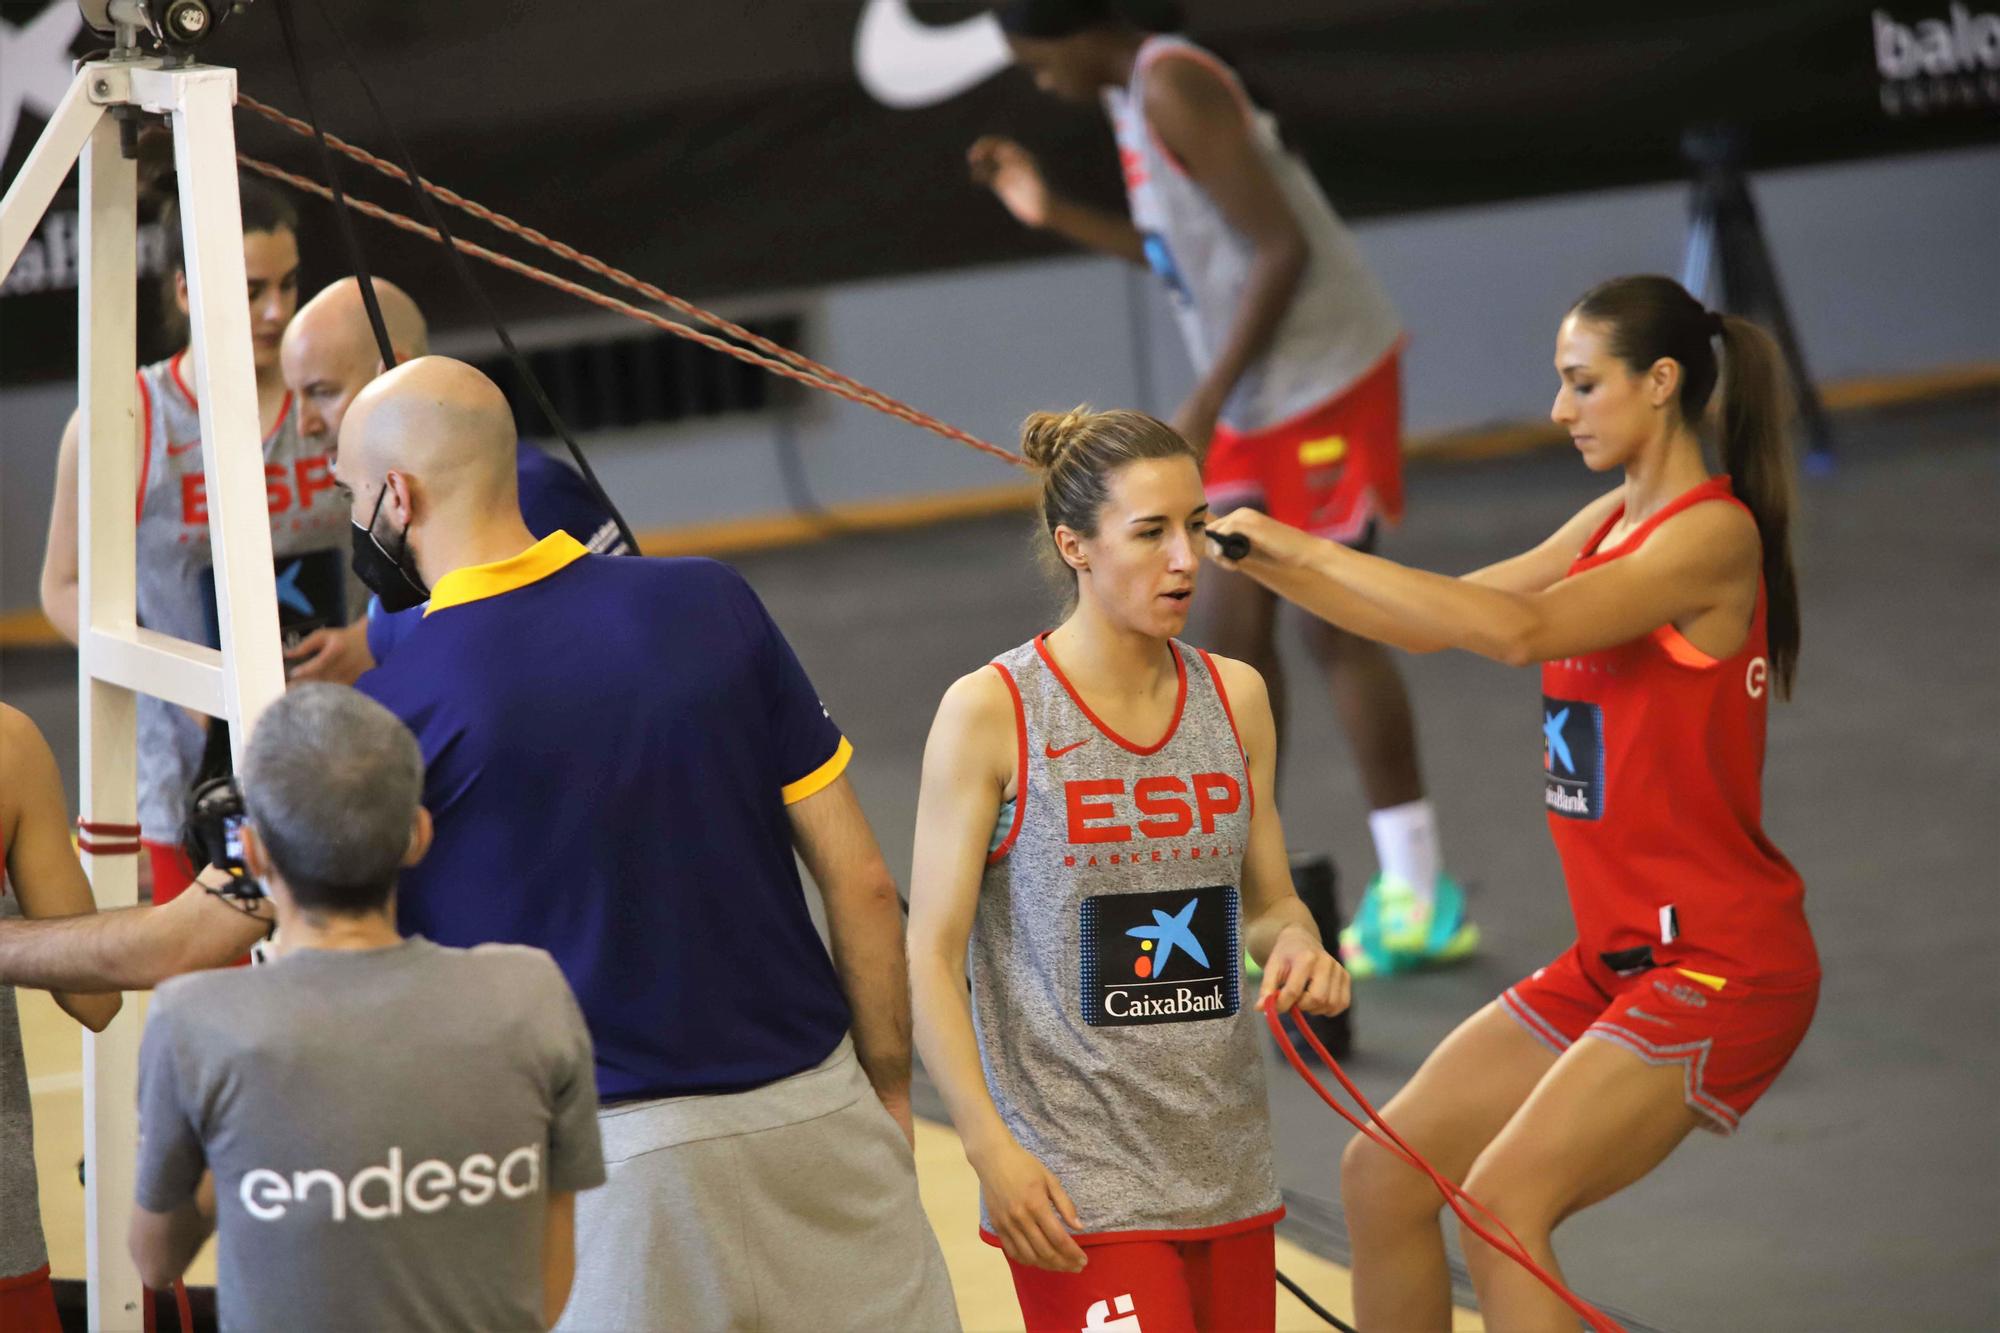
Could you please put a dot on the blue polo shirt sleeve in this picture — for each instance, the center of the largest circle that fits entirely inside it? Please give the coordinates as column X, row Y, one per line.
column 555, row 496
column 386, row 629
column 808, row 748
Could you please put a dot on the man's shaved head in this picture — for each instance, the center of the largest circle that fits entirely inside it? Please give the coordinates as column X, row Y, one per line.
column 329, row 351
column 447, row 435
column 339, row 309
column 428, row 415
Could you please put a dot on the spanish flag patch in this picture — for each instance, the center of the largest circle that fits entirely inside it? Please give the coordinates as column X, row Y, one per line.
column 1323, row 452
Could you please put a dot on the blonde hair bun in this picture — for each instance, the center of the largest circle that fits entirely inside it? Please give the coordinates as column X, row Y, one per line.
column 1045, row 435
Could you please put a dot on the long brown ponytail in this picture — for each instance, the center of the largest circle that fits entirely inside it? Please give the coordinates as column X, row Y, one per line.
column 1651, row 317
column 1757, row 455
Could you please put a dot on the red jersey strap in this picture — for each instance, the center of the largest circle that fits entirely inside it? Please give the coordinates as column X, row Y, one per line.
column 174, row 369
column 1715, row 488
column 174, row 365
column 145, row 444
column 1173, row 725
column 1152, row 54
column 1215, row 679
column 999, row 853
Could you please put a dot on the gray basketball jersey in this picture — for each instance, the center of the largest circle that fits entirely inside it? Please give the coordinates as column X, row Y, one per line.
column 176, row 590
column 1107, row 988
column 1340, row 323
column 21, row 1246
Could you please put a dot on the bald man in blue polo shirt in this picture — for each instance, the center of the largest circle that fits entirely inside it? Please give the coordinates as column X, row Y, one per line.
column 621, row 757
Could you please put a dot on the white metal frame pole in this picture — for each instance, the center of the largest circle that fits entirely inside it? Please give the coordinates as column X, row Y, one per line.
column 117, row 660
column 202, row 103
column 107, row 528
column 48, row 163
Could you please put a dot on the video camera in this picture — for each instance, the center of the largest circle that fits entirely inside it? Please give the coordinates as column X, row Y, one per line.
column 177, row 27
column 213, row 834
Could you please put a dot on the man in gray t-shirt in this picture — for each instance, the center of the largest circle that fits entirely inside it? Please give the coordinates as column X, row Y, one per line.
column 395, row 1130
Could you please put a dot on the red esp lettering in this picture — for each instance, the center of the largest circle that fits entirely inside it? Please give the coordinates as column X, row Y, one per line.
column 1163, row 800
column 309, row 475
column 194, row 499
column 1216, row 794
column 312, row 476
column 1171, row 818
column 1082, row 809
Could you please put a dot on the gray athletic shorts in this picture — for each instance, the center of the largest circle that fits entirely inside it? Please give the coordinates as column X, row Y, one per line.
column 790, row 1207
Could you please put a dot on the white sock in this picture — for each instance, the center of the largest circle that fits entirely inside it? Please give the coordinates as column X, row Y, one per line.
column 1406, row 844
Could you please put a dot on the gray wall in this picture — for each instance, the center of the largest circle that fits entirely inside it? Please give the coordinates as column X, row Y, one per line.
column 31, row 422
column 1890, row 266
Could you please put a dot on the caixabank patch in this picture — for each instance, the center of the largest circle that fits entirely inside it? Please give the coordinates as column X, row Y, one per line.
column 1573, row 758
column 1165, row 957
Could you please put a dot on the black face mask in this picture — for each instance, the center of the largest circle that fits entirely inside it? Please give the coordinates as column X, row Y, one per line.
column 393, row 578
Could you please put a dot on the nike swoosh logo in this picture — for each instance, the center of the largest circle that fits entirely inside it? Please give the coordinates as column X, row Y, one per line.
column 1636, row 1012
column 1053, row 753
column 176, row 450
column 904, row 63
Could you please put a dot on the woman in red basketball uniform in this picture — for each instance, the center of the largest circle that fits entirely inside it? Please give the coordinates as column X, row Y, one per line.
column 1663, row 615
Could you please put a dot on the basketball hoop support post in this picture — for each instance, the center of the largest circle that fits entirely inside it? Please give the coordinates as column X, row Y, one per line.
column 117, row 660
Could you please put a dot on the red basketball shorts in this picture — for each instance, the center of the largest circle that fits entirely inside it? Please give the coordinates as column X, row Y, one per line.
column 28, row 1303
column 1158, row 1286
column 1332, row 472
column 1731, row 1038
column 172, row 872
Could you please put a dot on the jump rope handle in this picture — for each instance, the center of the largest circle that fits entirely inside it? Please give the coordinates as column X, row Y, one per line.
column 1233, row 545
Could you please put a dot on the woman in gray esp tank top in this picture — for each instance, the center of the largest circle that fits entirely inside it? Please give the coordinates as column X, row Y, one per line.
column 1106, row 1076
column 175, row 590
column 43, row 880
column 1297, row 405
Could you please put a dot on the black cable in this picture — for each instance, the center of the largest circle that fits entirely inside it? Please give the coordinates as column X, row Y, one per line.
column 798, row 488
column 1313, row 1305
column 464, row 271
column 792, row 468
column 246, row 903
column 340, row 213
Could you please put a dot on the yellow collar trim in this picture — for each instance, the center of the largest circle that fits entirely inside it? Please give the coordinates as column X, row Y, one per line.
column 476, row 582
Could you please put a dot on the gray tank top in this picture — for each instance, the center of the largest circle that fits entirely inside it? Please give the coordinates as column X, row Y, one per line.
column 1107, row 987
column 176, row 591
column 22, row 1249
column 1341, row 323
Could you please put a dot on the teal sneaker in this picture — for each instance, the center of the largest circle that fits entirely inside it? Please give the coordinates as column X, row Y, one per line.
column 1396, row 931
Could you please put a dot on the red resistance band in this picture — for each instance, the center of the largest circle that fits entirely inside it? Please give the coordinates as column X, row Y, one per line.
column 1396, row 1147
column 183, row 1308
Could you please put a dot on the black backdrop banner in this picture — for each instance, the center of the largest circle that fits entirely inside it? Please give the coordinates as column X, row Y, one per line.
column 718, row 147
